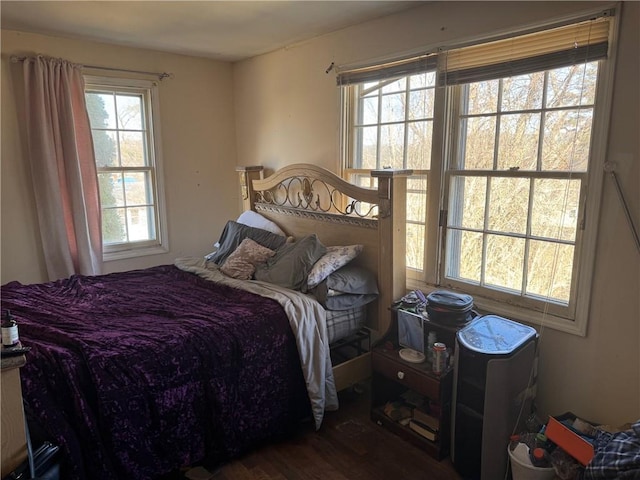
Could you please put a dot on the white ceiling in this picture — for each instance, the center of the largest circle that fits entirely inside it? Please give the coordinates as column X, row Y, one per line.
column 221, row 30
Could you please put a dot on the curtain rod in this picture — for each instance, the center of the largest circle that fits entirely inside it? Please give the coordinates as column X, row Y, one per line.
column 161, row 75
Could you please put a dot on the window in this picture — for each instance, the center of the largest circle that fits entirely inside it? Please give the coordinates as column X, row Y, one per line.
column 121, row 114
column 503, row 138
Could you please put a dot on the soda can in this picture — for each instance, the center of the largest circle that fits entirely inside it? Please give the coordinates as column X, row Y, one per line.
column 439, row 357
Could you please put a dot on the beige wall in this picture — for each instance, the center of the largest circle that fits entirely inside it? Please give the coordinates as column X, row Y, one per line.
column 198, row 149
column 287, row 110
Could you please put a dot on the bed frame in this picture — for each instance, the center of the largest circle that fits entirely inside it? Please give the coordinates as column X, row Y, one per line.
column 304, row 199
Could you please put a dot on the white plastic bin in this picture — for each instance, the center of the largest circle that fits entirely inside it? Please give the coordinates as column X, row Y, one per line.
column 525, row 471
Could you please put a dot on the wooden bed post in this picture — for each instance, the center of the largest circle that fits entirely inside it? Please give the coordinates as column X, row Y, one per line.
column 247, row 176
column 392, row 192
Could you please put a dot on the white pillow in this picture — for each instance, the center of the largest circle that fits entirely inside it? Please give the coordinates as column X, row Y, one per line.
column 254, row 219
column 331, row 261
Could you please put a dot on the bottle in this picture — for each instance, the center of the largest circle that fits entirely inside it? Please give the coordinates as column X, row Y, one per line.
column 514, row 440
column 9, row 331
column 540, row 458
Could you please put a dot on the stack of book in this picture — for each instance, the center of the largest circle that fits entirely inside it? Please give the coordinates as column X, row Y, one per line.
column 424, row 424
column 398, row 411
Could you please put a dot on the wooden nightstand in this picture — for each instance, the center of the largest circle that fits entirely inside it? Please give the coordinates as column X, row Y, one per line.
column 392, row 377
column 14, row 440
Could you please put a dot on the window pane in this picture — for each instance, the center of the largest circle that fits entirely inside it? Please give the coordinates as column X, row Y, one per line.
column 129, row 112
column 549, row 270
column 555, row 209
column 508, row 205
column 467, row 200
column 478, row 135
column 393, row 108
column 416, row 199
column 504, row 262
column 427, row 79
column 574, row 85
column 138, row 188
column 369, row 88
column 415, row 207
column 369, row 148
column 415, row 246
column 421, row 104
column 482, row 97
column 396, row 86
column 101, row 109
column 392, row 146
column 523, row 92
column 419, row 145
column 111, row 191
column 567, row 136
column 370, row 110
column 518, row 141
column 464, row 255
column 105, row 148
column 113, row 226
column 132, row 151
column 141, row 224
column 365, row 181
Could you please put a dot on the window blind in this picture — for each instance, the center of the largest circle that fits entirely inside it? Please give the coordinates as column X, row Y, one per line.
column 544, row 50
column 399, row 68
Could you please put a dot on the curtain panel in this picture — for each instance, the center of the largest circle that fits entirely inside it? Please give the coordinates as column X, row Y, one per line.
column 63, row 167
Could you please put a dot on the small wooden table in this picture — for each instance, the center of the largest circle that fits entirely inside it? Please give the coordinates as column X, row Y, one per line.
column 14, row 439
column 391, row 377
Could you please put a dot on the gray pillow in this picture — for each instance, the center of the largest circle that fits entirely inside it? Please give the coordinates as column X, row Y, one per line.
column 348, row 301
column 235, row 232
column 291, row 264
column 352, row 279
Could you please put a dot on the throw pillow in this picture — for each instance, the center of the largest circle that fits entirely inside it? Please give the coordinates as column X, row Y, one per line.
column 291, row 264
column 331, row 261
column 235, row 232
column 242, row 262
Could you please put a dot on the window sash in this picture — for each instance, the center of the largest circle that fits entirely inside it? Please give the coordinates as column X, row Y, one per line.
column 152, row 166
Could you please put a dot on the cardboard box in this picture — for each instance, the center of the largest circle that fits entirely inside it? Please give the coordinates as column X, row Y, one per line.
column 568, row 440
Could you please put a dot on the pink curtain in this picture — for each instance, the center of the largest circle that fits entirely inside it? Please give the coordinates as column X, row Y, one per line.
column 63, row 167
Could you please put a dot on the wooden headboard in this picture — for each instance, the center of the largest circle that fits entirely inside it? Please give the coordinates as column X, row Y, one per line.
column 304, row 199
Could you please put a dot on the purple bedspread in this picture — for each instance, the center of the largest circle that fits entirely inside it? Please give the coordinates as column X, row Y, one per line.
column 136, row 374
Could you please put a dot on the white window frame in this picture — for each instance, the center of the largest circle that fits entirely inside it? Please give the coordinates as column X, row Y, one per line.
column 149, row 91
column 572, row 319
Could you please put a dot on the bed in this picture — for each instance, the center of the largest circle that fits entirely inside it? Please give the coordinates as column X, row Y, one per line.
column 136, row 374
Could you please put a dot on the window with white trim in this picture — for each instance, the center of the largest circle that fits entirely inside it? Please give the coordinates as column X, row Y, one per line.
column 122, row 114
column 503, row 138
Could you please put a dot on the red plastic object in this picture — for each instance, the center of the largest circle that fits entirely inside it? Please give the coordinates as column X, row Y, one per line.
column 570, row 442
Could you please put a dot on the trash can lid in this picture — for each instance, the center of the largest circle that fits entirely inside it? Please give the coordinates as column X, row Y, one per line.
column 494, row 335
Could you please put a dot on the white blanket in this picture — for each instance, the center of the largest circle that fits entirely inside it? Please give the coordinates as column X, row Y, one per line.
column 308, row 322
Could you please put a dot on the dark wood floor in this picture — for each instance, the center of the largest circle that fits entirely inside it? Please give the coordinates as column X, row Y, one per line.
column 349, row 446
